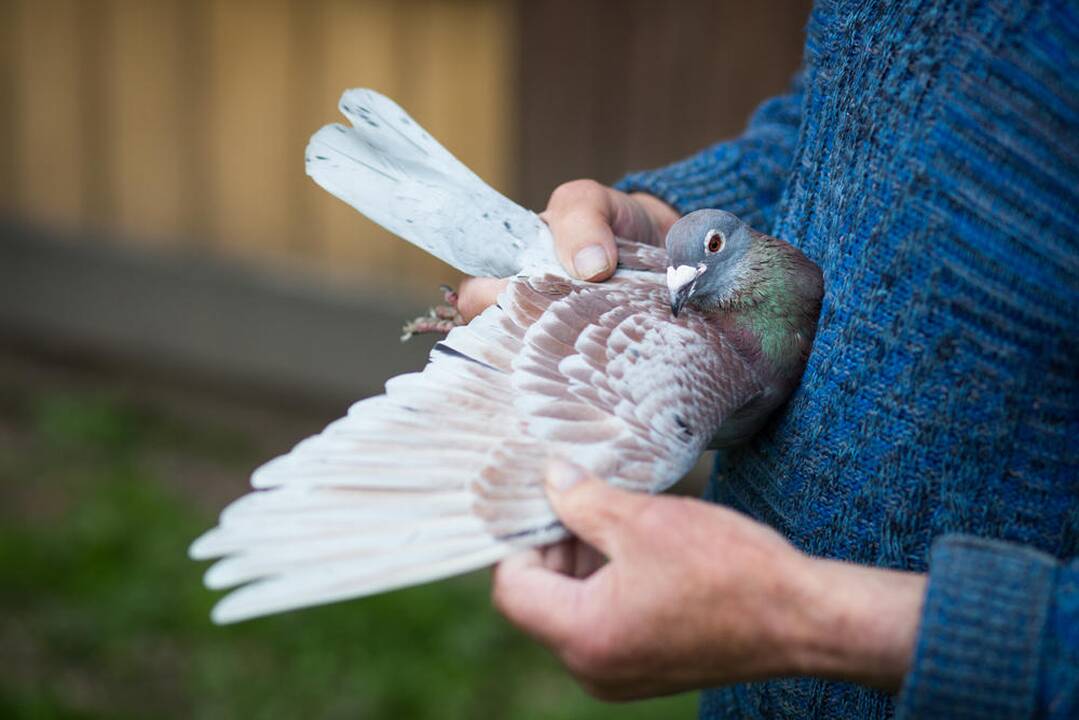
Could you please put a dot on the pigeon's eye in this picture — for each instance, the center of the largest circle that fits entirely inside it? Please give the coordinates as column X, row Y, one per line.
column 714, row 241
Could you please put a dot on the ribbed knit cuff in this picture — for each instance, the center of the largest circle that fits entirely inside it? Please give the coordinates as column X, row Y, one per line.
column 979, row 645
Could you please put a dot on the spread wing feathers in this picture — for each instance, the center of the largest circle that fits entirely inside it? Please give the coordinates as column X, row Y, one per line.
column 391, row 170
column 444, row 473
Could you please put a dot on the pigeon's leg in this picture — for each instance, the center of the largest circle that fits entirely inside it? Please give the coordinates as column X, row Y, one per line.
column 439, row 319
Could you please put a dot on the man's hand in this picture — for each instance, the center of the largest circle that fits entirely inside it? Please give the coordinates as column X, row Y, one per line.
column 695, row 595
column 585, row 217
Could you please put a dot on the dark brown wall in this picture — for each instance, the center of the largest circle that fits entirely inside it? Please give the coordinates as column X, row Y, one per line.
column 608, row 86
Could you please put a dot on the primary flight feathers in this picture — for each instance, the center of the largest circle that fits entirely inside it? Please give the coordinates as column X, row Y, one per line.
column 444, row 473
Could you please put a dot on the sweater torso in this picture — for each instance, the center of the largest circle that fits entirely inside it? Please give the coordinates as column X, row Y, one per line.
column 935, row 180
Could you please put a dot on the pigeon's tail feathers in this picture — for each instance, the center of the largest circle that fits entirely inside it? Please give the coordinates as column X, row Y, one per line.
column 391, row 170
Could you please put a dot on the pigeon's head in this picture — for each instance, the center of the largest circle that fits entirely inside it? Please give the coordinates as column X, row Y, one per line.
column 706, row 249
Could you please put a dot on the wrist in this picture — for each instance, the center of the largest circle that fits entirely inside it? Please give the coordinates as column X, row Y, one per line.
column 855, row 623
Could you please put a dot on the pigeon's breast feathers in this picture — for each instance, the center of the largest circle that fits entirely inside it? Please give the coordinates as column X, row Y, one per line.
column 780, row 304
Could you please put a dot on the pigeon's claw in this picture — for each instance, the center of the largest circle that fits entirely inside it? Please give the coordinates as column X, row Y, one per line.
column 439, row 319
column 449, row 295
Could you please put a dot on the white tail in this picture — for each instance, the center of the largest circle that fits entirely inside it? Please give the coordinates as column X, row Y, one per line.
column 391, row 170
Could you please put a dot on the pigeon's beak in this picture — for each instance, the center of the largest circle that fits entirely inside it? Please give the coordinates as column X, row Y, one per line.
column 681, row 281
column 679, row 297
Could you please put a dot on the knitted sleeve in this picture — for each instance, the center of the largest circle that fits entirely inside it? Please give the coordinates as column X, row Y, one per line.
column 746, row 175
column 999, row 635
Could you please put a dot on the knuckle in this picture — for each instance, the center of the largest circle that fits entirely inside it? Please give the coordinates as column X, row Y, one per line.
column 470, row 301
column 589, row 519
column 577, row 192
column 469, row 309
column 655, row 516
column 603, row 517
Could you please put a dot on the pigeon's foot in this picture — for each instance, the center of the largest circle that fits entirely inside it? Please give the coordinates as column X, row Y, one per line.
column 439, row 319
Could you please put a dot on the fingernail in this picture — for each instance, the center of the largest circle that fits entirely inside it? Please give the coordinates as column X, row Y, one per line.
column 562, row 475
column 590, row 261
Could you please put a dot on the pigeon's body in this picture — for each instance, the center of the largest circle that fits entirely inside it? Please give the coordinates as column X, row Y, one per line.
column 443, row 473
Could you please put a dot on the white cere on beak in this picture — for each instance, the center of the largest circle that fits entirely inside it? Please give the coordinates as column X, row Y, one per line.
column 679, row 277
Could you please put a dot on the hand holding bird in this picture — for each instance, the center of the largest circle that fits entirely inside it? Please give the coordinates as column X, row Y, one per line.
column 585, row 217
column 657, row 595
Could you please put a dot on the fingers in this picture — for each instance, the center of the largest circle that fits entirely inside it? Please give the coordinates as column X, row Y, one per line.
column 590, row 507
column 477, row 294
column 535, row 599
column 579, row 214
column 584, row 217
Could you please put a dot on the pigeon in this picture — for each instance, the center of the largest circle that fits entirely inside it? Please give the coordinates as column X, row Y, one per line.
column 684, row 349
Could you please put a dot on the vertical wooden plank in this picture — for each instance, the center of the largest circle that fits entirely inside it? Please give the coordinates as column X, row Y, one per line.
column 610, row 86
column 145, row 135
column 456, row 82
column 557, row 94
column 430, row 30
column 467, row 83
column 46, row 94
column 650, row 64
column 251, row 151
column 467, row 92
column 307, row 235
column 95, row 38
column 639, row 84
column 359, row 52
column 192, row 94
column 9, row 109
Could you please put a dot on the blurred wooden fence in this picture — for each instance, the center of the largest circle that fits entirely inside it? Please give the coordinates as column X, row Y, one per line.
column 607, row 86
column 181, row 124
column 177, row 128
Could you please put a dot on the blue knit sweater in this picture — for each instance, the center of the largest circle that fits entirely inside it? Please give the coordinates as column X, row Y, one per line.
column 927, row 159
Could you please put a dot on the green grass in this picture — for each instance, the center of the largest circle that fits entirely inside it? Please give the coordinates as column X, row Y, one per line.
column 103, row 616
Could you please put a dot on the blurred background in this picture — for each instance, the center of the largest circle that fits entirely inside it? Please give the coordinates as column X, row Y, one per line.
column 178, row 303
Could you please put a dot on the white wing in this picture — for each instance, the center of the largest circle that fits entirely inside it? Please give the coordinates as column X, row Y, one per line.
column 444, row 473
column 391, row 170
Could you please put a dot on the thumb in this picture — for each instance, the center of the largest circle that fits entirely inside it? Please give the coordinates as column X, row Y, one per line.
column 591, row 508
column 579, row 214
column 584, row 242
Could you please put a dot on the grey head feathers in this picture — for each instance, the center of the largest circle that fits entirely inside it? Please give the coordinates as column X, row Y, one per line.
column 708, row 252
